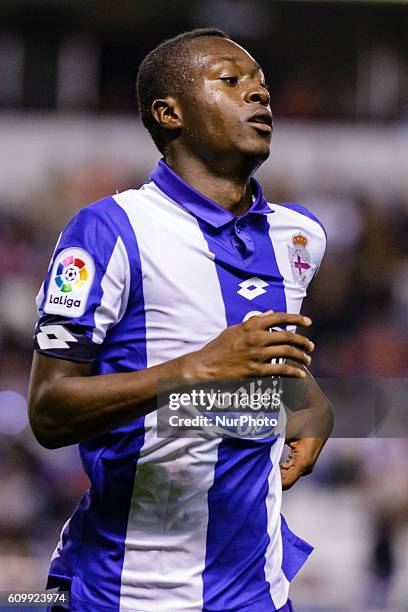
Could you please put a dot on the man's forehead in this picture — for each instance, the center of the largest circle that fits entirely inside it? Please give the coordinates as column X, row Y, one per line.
column 210, row 50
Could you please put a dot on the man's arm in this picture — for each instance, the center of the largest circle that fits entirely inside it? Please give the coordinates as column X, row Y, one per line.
column 307, row 429
column 67, row 405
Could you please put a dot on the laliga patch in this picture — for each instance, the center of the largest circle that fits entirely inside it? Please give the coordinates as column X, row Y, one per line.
column 70, row 283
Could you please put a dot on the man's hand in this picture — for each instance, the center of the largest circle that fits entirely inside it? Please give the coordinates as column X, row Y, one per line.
column 246, row 350
column 301, row 460
column 307, row 428
column 67, row 405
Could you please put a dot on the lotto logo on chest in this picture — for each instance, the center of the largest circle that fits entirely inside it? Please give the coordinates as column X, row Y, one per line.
column 300, row 261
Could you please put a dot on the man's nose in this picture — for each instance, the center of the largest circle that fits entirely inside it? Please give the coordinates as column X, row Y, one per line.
column 258, row 94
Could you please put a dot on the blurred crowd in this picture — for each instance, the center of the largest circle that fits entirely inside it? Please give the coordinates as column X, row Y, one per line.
column 359, row 306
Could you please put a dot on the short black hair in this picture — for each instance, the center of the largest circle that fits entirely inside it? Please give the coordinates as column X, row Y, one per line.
column 163, row 72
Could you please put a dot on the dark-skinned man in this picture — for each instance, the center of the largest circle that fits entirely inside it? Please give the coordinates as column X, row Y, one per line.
column 183, row 279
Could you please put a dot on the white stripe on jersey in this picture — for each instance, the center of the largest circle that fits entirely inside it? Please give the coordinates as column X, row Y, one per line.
column 177, row 267
column 164, row 577
column 115, row 286
column 273, row 553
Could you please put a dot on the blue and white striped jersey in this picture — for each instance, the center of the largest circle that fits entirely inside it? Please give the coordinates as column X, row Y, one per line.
column 137, row 279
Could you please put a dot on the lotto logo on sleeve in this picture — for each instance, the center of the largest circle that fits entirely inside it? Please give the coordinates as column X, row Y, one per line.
column 70, row 283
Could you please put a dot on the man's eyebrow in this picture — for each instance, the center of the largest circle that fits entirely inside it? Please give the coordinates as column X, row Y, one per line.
column 235, row 58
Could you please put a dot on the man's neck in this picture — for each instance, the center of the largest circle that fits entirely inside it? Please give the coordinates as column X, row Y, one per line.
column 229, row 189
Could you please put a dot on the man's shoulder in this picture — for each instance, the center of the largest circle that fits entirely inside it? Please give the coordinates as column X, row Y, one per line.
column 109, row 210
column 300, row 215
column 101, row 224
column 111, row 204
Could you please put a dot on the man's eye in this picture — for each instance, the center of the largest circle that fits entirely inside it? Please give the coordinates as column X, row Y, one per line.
column 230, row 80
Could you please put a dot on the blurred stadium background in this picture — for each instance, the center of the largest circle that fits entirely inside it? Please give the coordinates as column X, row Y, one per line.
column 339, row 82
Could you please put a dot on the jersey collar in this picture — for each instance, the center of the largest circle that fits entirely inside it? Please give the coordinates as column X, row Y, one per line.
column 198, row 204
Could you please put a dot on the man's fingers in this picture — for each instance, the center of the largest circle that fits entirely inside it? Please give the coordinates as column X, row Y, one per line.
column 281, row 369
column 285, row 337
column 290, row 472
column 279, row 319
column 287, row 351
column 289, row 477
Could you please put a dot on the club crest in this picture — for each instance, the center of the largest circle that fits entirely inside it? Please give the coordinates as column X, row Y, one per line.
column 299, row 259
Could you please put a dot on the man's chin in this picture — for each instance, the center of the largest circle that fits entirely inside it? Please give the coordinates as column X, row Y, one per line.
column 257, row 150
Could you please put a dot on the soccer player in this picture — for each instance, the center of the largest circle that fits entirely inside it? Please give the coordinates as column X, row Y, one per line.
column 181, row 279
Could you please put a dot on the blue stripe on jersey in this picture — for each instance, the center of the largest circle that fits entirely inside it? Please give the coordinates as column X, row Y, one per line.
column 243, row 250
column 124, row 348
column 295, row 551
column 237, row 534
column 304, row 211
column 98, row 570
column 61, row 569
column 234, row 574
column 99, row 525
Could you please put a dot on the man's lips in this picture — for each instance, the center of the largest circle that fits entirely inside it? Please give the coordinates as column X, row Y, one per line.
column 262, row 120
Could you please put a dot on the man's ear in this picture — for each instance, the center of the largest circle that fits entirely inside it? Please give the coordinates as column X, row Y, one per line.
column 167, row 113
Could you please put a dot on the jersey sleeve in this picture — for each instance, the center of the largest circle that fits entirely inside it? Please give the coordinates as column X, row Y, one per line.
column 85, row 291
